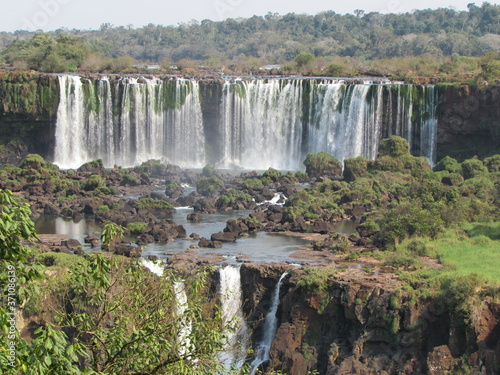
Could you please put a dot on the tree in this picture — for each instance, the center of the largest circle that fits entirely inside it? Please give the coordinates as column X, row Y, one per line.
column 322, row 164
column 395, row 146
column 303, row 59
column 359, row 12
column 107, row 314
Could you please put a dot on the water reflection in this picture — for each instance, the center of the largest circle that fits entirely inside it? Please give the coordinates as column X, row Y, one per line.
column 259, row 247
column 76, row 229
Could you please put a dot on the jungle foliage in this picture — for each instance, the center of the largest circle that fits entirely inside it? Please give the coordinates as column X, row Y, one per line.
column 403, row 196
column 98, row 314
column 426, row 42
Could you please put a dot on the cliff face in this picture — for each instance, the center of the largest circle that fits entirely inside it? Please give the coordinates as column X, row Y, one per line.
column 469, row 121
column 468, row 118
column 28, row 109
column 371, row 327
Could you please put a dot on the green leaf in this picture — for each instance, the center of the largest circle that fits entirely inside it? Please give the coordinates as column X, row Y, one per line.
column 47, row 360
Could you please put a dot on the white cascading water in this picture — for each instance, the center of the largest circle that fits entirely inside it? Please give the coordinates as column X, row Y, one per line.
column 235, row 326
column 428, row 133
column 157, row 267
column 262, row 123
column 269, row 330
column 343, row 122
column 185, row 326
column 133, row 122
column 71, row 139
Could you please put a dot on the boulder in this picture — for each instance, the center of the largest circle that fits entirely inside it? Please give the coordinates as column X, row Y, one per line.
column 439, row 360
column 189, row 200
column 275, row 217
column 127, row 251
column 358, row 212
column 210, row 244
column 203, row 242
column 206, row 205
column 195, row 217
column 50, row 209
column 267, row 193
column 236, row 226
column 181, row 231
column 224, row 236
column 298, row 224
column 71, row 243
column 260, row 216
column 195, row 236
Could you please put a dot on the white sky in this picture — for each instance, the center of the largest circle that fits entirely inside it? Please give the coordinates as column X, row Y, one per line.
column 90, row 14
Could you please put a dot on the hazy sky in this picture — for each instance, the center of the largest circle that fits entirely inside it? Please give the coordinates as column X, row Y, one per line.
column 90, row 14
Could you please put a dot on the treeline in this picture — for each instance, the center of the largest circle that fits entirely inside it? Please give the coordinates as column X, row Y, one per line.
column 350, row 42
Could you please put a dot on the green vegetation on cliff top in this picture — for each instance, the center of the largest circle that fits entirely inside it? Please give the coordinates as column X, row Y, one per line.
column 444, row 44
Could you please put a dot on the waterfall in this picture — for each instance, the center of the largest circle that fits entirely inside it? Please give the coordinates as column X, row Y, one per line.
column 269, row 330
column 158, row 267
column 71, row 148
column 261, row 124
column 185, row 326
column 258, row 124
column 235, row 325
column 131, row 122
column 428, row 136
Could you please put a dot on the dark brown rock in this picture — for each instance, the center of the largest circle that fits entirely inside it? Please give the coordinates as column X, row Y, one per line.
column 195, row 217
column 440, row 360
column 323, row 227
column 224, row 236
column 71, row 243
column 298, row 224
column 50, row 209
column 127, row 251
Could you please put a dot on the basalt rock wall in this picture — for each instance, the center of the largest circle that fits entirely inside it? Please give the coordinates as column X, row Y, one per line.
column 370, row 327
column 468, row 118
column 28, row 112
column 468, row 121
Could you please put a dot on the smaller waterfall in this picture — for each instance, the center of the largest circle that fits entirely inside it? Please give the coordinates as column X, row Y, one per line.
column 71, row 139
column 155, row 267
column 235, row 326
column 428, row 133
column 270, row 327
column 181, row 306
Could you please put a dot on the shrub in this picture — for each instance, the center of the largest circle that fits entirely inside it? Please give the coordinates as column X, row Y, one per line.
column 33, row 161
column 128, row 179
column 103, row 208
column 95, row 181
column 394, row 147
column 136, row 227
column 480, row 187
column 95, row 166
column 273, row 174
column 493, row 163
column 448, row 164
column 355, row 168
column 394, row 303
column 416, row 166
column 418, row 247
column 104, row 190
column 403, row 259
column 205, row 183
column 406, row 221
column 208, row 170
column 473, row 168
column 301, row 176
column 252, row 183
column 147, row 203
column 322, row 164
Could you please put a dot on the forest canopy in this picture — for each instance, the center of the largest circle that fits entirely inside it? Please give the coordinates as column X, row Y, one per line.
column 333, row 43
